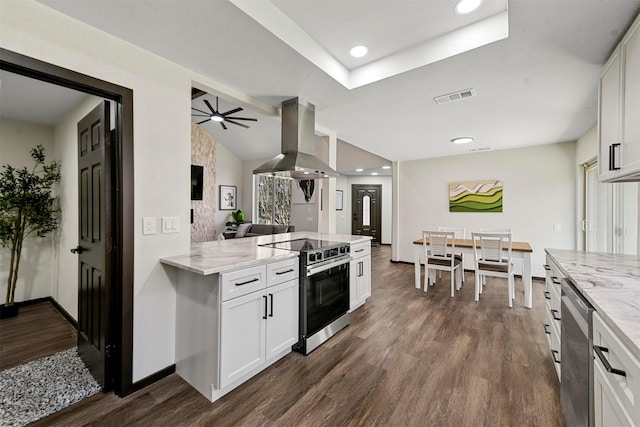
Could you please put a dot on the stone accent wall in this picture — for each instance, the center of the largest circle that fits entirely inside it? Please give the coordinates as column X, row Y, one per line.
column 203, row 153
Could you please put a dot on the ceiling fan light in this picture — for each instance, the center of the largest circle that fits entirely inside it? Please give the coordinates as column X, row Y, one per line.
column 467, row 6
column 462, row 140
column 217, row 118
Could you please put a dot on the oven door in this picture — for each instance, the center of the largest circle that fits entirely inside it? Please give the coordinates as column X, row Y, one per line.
column 326, row 295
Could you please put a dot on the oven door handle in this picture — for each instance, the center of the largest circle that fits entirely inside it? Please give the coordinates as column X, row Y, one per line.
column 315, row 269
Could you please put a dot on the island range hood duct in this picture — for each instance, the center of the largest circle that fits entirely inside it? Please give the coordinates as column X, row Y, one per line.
column 298, row 142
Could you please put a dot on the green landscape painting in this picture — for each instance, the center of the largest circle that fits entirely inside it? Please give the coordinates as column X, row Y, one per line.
column 477, row 196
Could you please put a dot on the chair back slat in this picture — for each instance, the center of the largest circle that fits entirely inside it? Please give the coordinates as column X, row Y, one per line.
column 436, row 244
column 489, row 248
column 459, row 233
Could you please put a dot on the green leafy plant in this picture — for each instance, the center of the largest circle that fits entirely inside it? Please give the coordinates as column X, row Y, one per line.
column 238, row 218
column 27, row 208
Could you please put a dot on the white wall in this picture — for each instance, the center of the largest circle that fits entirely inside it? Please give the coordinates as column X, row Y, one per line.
column 65, row 270
column 34, row 272
column 343, row 218
column 161, row 90
column 539, row 191
column 229, row 172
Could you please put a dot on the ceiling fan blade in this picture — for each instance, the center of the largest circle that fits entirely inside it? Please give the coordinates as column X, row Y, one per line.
column 235, row 110
column 200, row 111
column 236, row 123
column 209, row 105
column 201, row 115
column 241, row 118
column 223, row 126
column 204, row 121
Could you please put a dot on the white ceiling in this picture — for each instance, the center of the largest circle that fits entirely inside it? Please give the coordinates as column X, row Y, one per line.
column 35, row 101
column 538, row 86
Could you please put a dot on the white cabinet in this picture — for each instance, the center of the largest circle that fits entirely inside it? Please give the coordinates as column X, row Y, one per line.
column 232, row 325
column 552, row 323
column 619, row 109
column 359, row 274
column 282, row 320
column 616, row 379
column 609, row 118
column 242, row 336
column 257, row 327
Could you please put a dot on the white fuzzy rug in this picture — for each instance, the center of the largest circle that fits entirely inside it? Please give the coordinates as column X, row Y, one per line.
column 34, row 390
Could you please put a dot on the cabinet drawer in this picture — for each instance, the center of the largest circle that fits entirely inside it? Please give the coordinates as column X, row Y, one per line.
column 242, row 282
column 625, row 387
column 360, row 249
column 282, row 271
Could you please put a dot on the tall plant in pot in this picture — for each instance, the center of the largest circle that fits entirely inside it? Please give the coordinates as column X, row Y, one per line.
column 27, row 208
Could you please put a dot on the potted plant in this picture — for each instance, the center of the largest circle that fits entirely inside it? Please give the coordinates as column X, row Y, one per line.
column 238, row 218
column 27, row 208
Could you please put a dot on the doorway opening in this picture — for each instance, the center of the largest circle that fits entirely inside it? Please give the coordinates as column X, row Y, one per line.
column 119, row 240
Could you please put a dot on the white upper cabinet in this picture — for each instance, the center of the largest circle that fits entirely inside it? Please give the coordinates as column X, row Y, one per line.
column 619, row 111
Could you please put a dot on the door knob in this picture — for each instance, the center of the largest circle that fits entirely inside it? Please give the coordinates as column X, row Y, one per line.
column 77, row 250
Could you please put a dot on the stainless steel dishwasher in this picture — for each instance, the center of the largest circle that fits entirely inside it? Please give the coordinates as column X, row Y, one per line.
column 576, row 384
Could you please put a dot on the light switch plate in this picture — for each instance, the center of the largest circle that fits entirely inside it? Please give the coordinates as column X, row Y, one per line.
column 149, row 225
column 170, row 224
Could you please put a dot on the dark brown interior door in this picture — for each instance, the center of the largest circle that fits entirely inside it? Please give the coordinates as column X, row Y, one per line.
column 94, row 295
column 366, row 210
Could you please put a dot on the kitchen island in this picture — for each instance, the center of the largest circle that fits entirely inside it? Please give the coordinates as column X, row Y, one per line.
column 611, row 284
column 237, row 308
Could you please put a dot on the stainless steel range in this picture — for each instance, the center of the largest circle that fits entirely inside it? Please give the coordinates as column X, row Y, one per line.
column 324, row 289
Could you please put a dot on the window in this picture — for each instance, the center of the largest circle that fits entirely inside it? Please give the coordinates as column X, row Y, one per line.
column 274, row 200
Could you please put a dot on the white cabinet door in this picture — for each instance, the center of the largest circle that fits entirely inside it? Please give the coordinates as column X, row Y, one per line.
column 353, row 285
column 282, row 317
column 364, row 278
column 630, row 52
column 359, row 281
column 242, row 336
column 608, row 410
column 609, row 118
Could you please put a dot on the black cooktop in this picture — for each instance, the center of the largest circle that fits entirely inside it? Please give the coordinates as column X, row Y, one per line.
column 302, row 245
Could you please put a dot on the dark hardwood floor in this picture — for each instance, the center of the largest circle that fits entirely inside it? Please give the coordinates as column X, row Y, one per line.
column 407, row 359
column 38, row 331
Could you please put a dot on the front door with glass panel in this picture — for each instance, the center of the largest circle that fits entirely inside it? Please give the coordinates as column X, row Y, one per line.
column 366, row 210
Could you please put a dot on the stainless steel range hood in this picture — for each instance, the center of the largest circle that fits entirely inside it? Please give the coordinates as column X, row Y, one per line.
column 298, row 141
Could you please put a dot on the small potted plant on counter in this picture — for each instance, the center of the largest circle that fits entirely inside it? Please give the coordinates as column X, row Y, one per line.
column 27, row 208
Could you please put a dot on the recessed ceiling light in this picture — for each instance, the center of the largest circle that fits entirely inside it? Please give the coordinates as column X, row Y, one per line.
column 462, row 140
column 359, row 51
column 386, row 167
column 359, row 170
column 467, row 6
column 374, row 173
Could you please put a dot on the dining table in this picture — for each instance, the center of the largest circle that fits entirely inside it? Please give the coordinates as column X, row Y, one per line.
column 521, row 250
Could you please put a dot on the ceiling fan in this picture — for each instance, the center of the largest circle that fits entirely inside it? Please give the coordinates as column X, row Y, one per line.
column 217, row 116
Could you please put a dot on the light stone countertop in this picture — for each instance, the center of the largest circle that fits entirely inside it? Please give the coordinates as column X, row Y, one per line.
column 225, row 255
column 611, row 283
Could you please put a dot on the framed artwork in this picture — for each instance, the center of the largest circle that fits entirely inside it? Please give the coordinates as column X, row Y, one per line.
column 338, row 200
column 303, row 191
column 475, row 196
column 228, row 198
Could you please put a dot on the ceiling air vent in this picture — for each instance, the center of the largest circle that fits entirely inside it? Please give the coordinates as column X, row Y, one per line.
column 480, row 149
column 455, row 96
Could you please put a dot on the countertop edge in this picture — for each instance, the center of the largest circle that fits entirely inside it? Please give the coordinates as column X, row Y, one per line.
column 611, row 322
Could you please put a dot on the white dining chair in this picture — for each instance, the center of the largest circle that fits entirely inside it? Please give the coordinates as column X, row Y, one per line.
column 460, row 233
column 438, row 256
column 488, row 249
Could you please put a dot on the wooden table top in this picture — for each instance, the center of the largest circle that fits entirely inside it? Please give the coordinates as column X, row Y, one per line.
column 468, row 243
